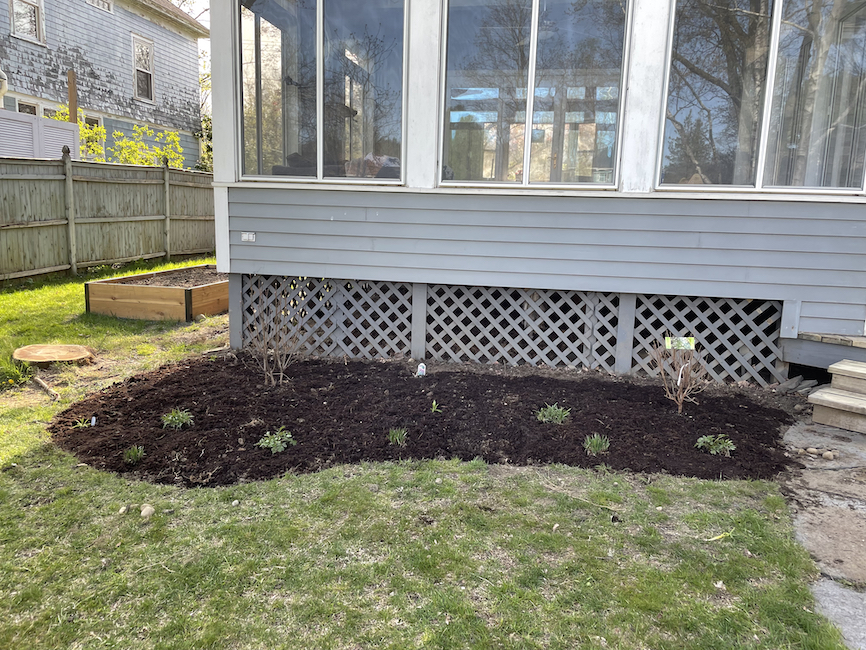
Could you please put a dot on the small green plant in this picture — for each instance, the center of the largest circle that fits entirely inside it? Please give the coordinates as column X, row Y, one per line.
column 277, row 441
column 133, row 455
column 81, row 423
column 435, row 408
column 177, row 418
column 398, row 436
column 554, row 414
column 596, row 444
column 719, row 444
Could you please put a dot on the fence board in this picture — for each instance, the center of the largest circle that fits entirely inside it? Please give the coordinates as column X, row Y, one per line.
column 119, row 214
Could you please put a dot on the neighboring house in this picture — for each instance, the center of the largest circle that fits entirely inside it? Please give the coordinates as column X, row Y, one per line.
column 545, row 181
column 136, row 63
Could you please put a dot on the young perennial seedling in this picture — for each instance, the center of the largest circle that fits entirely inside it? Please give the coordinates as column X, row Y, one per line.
column 80, row 423
column 133, row 455
column 719, row 444
column 177, row 418
column 398, row 436
column 435, row 408
column 596, row 444
column 277, row 441
column 554, row 414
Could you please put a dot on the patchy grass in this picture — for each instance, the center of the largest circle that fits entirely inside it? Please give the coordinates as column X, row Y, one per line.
column 52, row 311
column 439, row 554
column 434, row 554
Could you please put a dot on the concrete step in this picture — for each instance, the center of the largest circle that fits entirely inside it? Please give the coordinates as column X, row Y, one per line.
column 849, row 376
column 839, row 408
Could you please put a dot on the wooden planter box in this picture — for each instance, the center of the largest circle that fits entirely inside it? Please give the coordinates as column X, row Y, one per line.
column 147, row 302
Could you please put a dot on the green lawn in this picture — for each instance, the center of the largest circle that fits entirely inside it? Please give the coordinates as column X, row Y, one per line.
column 433, row 554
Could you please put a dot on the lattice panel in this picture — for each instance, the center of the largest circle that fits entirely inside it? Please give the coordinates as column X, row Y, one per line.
column 539, row 327
column 738, row 339
column 329, row 317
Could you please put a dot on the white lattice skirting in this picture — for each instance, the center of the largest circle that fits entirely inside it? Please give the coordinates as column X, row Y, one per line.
column 738, row 339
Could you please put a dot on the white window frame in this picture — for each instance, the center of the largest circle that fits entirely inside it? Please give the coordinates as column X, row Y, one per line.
column 530, row 112
column 40, row 21
column 320, row 123
column 763, row 135
column 135, row 70
column 103, row 5
column 35, row 105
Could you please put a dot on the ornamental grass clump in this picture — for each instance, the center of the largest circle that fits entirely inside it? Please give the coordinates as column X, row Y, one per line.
column 177, row 419
column 554, row 414
column 596, row 444
column 398, row 436
column 133, row 455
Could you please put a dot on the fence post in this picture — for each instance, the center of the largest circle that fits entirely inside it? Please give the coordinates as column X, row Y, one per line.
column 167, row 184
column 419, row 320
column 624, row 332
column 70, row 212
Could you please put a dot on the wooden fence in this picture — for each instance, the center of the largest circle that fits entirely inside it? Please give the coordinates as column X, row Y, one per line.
column 58, row 215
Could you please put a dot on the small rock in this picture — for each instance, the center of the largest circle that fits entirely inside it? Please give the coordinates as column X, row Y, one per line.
column 828, row 455
column 658, row 508
column 791, row 384
column 236, row 502
column 801, row 452
column 201, row 318
column 438, row 481
column 799, row 408
column 122, row 510
column 147, row 511
column 812, row 450
column 374, row 488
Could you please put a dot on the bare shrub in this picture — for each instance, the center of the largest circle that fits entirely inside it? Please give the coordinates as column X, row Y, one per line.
column 276, row 335
column 683, row 375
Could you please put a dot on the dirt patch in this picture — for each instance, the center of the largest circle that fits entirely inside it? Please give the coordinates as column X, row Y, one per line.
column 184, row 278
column 341, row 412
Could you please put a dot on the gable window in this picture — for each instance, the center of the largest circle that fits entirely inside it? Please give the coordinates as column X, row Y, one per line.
column 532, row 91
column 767, row 94
column 143, row 58
column 322, row 88
column 27, row 20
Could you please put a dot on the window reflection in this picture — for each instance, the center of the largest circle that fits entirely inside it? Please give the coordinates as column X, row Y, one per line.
column 575, row 91
column 715, row 93
column 817, row 137
column 362, row 93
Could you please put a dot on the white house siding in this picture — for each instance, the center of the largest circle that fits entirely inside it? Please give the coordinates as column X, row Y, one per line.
column 98, row 46
column 810, row 252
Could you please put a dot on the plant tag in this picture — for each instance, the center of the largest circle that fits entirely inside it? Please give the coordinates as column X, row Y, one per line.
column 422, row 370
column 93, row 421
column 680, row 342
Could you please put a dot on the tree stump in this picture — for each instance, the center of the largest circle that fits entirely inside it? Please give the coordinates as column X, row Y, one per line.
column 42, row 355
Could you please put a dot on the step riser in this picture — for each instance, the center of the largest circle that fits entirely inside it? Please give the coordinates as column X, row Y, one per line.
column 851, row 384
column 841, row 419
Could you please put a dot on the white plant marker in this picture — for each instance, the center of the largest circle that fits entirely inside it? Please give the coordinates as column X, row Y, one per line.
column 93, row 421
column 422, row 370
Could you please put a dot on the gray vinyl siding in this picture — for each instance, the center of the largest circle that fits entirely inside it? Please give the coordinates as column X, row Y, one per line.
column 98, row 46
column 779, row 250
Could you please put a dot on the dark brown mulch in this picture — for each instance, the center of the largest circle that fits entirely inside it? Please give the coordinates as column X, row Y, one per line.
column 341, row 413
column 185, row 278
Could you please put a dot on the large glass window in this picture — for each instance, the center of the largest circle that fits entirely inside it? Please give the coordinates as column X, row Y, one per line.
column 715, row 92
column 573, row 98
column 817, row 133
column 338, row 114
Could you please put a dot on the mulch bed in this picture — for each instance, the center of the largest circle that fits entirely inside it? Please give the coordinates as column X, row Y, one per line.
column 341, row 412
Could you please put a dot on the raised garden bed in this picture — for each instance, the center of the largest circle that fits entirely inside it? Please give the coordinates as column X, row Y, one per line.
column 179, row 294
